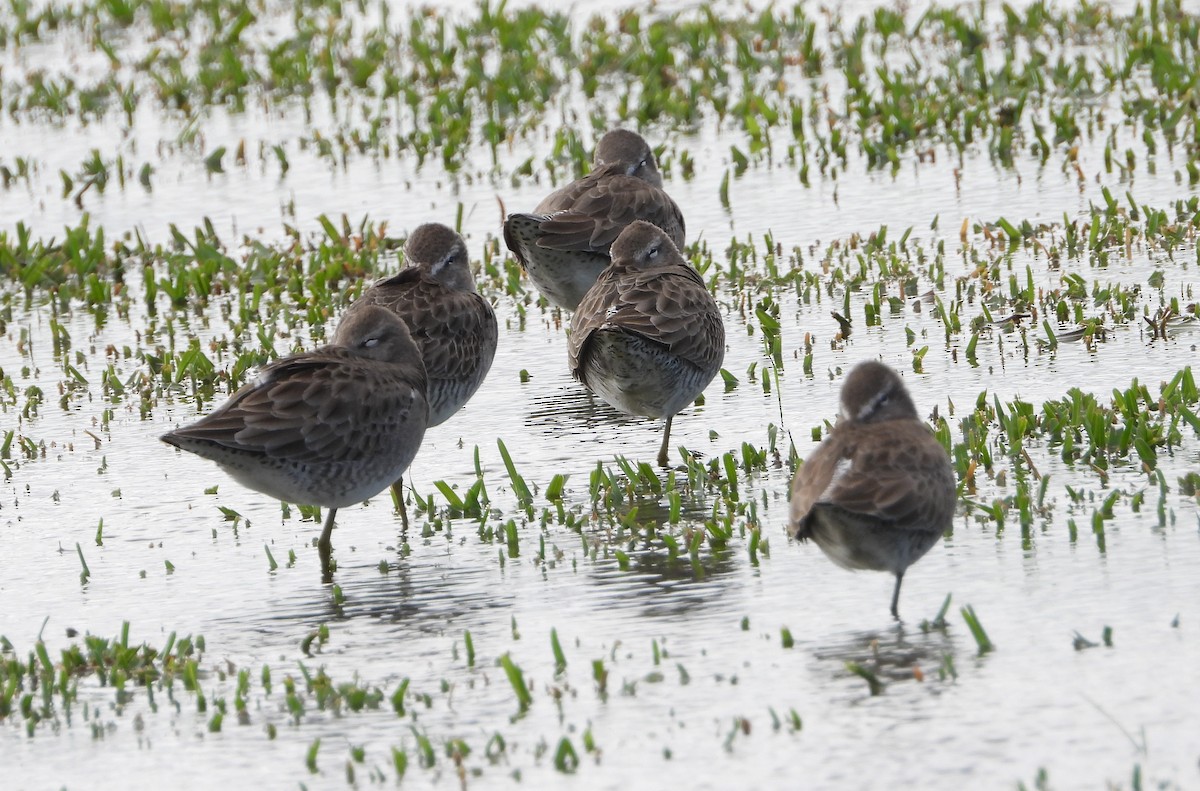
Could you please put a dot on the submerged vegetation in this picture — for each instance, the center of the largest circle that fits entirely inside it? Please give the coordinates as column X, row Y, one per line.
column 107, row 327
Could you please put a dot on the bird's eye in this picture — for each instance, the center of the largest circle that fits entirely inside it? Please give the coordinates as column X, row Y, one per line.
column 371, row 343
column 652, row 253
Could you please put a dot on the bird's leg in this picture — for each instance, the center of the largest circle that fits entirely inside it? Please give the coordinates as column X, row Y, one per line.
column 662, row 452
column 325, row 547
column 896, row 596
column 398, row 499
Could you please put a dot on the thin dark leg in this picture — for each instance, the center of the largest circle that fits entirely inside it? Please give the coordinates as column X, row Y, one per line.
column 325, row 547
column 398, row 499
column 662, row 452
column 896, row 596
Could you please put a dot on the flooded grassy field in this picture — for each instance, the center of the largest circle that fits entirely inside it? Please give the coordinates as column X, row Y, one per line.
column 999, row 201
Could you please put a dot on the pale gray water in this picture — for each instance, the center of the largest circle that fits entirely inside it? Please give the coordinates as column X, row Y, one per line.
column 1035, row 702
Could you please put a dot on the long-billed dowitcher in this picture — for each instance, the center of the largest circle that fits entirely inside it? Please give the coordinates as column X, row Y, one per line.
column 454, row 326
column 330, row 427
column 879, row 491
column 564, row 243
column 647, row 337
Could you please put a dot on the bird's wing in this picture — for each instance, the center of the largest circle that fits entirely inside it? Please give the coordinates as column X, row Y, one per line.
column 325, row 405
column 590, row 316
column 672, row 306
column 902, row 475
column 812, row 480
column 454, row 329
column 589, row 214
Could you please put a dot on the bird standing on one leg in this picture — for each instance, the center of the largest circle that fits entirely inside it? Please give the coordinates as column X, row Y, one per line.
column 879, row 491
column 648, row 336
column 564, row 243
column 330, row 427
column 452, row 324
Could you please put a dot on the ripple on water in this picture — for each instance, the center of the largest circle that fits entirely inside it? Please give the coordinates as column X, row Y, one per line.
column 690, row 652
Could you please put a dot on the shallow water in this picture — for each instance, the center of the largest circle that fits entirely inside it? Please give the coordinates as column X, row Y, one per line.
column 700, row 683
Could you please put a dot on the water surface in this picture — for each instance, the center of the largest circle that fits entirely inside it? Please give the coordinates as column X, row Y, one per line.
column 700, row 685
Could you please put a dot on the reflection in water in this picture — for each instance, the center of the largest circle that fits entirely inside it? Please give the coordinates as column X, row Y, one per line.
column 892, row 655
column 423, row 594
column 217, row 582
column 573, row 407
column 426, row 593
column 659, row 586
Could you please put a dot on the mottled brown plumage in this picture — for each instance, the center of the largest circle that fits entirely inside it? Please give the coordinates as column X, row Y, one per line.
column 648, row 336
column 879, row 491
column 564, row 243
column 453, row 325
column 330, row 427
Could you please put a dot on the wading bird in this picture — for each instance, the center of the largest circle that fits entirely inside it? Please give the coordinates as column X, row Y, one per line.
column 564, row 243
column 330, row 427
column 647, row 337
column 879, row 491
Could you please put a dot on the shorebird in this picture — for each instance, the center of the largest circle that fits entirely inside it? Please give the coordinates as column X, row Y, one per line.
column 330, row 427
column 453, row 325
column 647, row 337
column 879, row 491
column 564, row 243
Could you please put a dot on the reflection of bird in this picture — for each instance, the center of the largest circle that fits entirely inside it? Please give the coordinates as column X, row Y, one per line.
column 879, row 491
column 330, row 427
column 564, row 243
column 648, row 337
column 453, row 325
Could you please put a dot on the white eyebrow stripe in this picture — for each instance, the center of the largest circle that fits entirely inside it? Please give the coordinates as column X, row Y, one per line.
column 874, row 403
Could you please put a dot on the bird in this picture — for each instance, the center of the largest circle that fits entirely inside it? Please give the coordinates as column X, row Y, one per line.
column 329, row 427
column 879, row 491
column 648, row 336
column 564, row 243
column 452, row 324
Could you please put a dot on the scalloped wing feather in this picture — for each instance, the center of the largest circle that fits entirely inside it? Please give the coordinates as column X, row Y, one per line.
column 450, row 326
column 590, row 213
column 322, row 406
column 671, row 305
column 902, row 475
